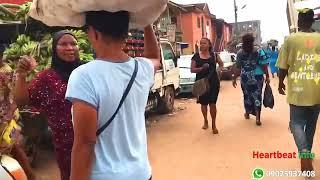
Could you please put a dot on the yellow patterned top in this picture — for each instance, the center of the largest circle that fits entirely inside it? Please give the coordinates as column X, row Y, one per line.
column 6, row 87
column 300, row 55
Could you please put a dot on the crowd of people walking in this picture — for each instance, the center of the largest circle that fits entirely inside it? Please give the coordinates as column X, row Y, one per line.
column 253, row 64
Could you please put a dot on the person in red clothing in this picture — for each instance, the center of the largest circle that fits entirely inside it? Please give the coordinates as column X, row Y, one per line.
column 47, row 93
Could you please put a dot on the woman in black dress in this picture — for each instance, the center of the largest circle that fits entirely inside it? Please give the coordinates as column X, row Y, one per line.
column 204, row 64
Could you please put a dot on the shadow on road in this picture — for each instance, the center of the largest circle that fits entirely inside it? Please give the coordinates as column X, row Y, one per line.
column 185, row 96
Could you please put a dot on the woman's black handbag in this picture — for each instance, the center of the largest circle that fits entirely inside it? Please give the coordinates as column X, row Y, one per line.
column 268, row 99
column 200, row 87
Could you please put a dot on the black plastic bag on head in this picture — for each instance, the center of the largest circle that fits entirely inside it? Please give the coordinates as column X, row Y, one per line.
column 268, row 99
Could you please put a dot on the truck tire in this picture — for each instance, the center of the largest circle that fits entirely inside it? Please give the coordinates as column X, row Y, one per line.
column 166, row 103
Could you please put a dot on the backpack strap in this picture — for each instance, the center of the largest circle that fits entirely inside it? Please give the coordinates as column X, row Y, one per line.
column 126, row 92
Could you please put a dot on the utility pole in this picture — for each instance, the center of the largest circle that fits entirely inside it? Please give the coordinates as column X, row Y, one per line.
column 235, row 17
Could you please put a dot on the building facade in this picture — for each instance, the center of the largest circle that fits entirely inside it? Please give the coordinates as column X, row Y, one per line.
column 253, row 27
column 196, row 23
column 222, row 32
column 189, row 22
column 170, row 21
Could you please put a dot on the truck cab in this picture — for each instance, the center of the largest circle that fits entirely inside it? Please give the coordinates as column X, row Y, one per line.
column 166, row 86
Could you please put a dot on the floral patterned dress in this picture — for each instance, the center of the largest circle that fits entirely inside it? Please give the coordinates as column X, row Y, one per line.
column 47, row 93
column 6, row 104
column 251, row 83
column 6, row 86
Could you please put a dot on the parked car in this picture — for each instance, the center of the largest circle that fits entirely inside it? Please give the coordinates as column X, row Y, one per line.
column 187, row 78
column 229, row 60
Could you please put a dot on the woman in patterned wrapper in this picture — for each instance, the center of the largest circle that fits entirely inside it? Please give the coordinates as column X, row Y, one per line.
column 253, row 64
column 46, row 92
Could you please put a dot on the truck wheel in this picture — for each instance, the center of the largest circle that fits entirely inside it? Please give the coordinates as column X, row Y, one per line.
column 167, row 101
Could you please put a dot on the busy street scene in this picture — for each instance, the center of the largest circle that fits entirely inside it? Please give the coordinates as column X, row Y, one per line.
column 159, row 89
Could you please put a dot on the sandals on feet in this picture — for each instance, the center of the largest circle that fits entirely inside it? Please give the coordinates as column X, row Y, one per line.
column 258, row 122
column 215, row 131
column 205, row 126
column 246, row 116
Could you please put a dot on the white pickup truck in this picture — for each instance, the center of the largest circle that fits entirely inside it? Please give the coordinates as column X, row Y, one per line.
column 162, row 94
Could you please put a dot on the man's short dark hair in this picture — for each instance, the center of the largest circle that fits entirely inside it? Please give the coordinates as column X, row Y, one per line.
column 111, row 24
column 306, row 17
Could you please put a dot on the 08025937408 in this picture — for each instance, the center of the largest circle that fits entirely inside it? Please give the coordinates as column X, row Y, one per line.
column 290, row 173
column 259, row 173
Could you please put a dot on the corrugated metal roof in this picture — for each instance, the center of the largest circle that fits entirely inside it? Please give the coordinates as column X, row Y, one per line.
column 200, row 5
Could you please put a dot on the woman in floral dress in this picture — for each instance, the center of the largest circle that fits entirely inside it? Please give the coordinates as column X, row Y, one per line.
column 253, row 64
column 46, row 92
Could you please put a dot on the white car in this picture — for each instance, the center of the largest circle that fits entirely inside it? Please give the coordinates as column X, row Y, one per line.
column 229, row 59
column 187, row 78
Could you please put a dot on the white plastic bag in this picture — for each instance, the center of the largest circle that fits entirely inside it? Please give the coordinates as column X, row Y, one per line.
column 71, row 12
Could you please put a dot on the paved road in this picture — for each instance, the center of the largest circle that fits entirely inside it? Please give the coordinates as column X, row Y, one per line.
column 180, row 150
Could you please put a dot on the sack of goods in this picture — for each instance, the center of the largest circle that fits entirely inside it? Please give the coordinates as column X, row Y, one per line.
column 72, row 12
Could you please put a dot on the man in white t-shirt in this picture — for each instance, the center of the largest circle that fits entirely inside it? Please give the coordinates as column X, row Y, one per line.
column 95, row 89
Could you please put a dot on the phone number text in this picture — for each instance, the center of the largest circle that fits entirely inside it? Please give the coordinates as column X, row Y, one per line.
column 291, row 173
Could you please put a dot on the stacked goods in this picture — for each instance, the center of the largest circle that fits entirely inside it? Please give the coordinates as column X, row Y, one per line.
column 13, row 12
column 37, row 39
column 135, row 43
column 72, row 12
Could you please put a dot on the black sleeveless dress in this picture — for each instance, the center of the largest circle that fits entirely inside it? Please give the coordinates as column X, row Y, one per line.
column 211, row 96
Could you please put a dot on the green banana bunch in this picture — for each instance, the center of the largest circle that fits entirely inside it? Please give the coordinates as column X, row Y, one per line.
column 6, row 14
column 86, row 57
column 13, row 12
column 23, row 12
column 23, row 46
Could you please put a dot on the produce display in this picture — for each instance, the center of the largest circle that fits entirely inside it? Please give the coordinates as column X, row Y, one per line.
column 13, row 12
column 36, row 42
column 42, row 50
column 135, row 43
